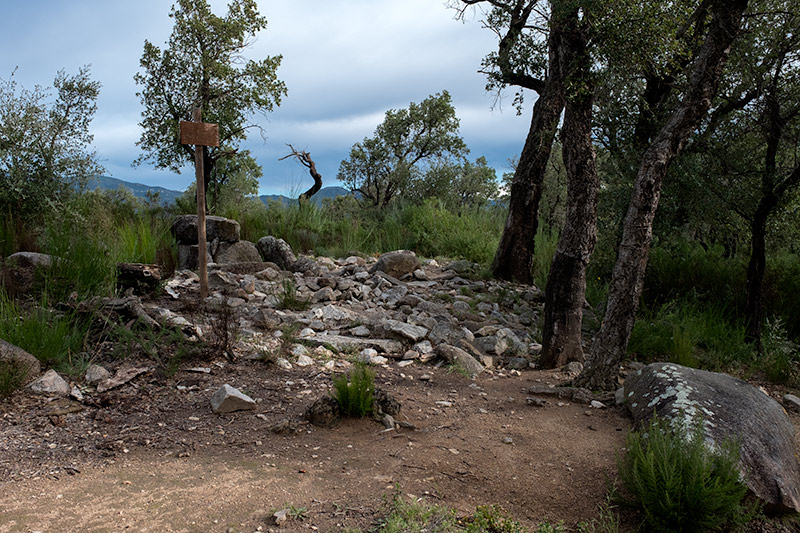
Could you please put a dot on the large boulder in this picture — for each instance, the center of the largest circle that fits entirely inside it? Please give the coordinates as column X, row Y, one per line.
column 397, row 264
column 237, row 252
column 19, row 271
column 727, row 408
column 184, row 229
column 277, row 251
column 26, row 364
column 188, row 256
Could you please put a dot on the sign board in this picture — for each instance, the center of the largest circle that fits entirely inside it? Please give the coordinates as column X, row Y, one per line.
column 199, row 133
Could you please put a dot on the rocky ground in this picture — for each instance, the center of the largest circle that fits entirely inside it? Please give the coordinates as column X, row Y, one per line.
column 140, row 447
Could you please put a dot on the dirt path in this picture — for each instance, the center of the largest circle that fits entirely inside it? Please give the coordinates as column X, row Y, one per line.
column 155, row 458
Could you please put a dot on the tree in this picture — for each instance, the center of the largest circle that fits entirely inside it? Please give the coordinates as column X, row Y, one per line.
column 566, row 283
column 528, row 56
column 305, row 159
column 44, row 143
column 387, row 164
column 203, row 66
column 457, row 184
column 747, row 146
column 627, row 280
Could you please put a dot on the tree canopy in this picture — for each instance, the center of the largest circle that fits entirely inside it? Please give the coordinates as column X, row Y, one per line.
column 45, row 142
column 404, row 145
column 203, row 65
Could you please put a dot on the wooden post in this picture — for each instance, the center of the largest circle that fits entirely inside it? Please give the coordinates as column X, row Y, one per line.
column 200, row 135
column 202, row 262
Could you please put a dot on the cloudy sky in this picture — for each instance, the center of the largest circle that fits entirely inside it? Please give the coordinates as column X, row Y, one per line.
column 344, row 63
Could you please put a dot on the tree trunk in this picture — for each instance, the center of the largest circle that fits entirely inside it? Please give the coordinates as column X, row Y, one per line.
column 757, row 267
column 611, row 343
column 566, row 284
column 513, row 260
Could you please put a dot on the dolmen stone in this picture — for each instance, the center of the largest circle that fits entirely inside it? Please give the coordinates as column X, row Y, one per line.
column 278, row 251
column 727, row 408
column 397, row 264
column 19, row 271
column 228, row 399
column 184, row 229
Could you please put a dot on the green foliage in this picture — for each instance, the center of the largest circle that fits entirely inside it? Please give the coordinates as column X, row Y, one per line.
column 355, row 392
column 44, row 144
column 679, row 483
column 58, row 340
column 203, row 65
column 781, row 356
column 492, row 518
column 690, row 334
column 389, row 163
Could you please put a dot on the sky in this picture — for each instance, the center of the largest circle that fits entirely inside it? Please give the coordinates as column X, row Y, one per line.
column 345, row 63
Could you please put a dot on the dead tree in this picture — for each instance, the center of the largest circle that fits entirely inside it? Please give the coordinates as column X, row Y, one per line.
column 306, row 161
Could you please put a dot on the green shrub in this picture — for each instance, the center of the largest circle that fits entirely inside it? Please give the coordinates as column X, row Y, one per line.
column 355, row 392
column 679, row 483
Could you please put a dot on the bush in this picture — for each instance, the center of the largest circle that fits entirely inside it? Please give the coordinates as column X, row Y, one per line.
column 679, row 483
column 355, row 393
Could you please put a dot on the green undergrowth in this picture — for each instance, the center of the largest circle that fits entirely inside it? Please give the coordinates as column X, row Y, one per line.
column 679, row 483
column 690, row 334
column 57, row 339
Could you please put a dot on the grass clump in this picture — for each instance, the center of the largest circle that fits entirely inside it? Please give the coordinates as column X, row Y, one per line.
column 355, row 393
column 56, row 339
column 679, row 483
column 12, row 376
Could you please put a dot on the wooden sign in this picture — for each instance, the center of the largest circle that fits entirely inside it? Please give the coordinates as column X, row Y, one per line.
column 199, row 133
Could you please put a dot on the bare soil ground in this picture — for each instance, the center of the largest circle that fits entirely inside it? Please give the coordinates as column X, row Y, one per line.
column 151, row 455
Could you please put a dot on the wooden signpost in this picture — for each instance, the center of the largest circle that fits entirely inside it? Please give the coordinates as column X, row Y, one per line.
column 200, row 134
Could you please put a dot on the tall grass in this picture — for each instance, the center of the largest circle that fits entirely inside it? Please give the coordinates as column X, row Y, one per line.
column 690, row 334
column 57, row 339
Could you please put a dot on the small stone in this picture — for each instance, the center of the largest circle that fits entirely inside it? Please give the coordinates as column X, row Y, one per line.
column 461, row 307
column 280, row 516
column 360, row 331
column 403, row 364
column 304, row 360
column 426, row 377
column 298, row 350
column 444, row 403
column 619, row 396
column 572, row 368
column 51, row 383
column 410, row 355
column 306, row 332
column 518, row 363
column 597, row 405
column 228, row 399
column 95, row 374
column 535, row 402
column 283, row 363
column 792, row 401
column 508, row 440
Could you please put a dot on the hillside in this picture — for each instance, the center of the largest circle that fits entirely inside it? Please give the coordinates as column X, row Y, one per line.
column 139, row 190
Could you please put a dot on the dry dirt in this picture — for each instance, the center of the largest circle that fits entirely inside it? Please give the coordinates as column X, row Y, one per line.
column 151, row 455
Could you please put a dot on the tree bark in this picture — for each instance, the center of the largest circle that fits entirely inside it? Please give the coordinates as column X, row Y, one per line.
column 513, row 260
column 566, row 284
column 611, row 343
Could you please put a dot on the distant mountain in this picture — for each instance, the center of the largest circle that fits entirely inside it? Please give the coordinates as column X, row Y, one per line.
column 325, row 192
column 168, row 196
column 139, row 190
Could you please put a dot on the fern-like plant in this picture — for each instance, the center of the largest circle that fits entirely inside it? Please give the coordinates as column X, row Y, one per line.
column 679, row 483
column 355, row 392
